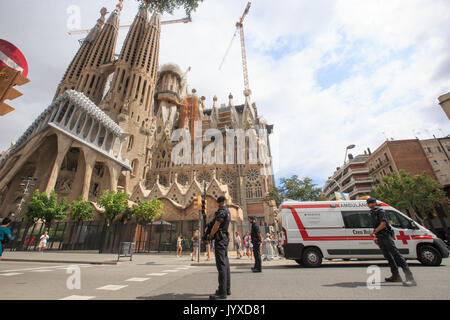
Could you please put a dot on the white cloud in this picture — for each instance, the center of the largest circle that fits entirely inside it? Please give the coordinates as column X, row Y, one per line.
column 397, row 55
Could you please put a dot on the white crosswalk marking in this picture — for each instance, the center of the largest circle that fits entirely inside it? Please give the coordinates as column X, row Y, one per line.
column 158, row 274
column 75, row 297
column 137, row 279
column 9, row 274
column 182, row 268
column 171, row 270
column 112, row 287
column 41, row 270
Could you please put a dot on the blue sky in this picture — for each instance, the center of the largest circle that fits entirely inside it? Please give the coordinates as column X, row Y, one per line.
column 326, row 73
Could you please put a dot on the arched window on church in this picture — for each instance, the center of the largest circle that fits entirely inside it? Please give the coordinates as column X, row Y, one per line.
column 134, row 167
column 130, row 142
column 258, row 190
column 249, row 190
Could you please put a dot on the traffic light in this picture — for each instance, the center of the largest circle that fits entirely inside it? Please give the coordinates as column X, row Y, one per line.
column 9, row 78
column 198, row 203
column 203, row 206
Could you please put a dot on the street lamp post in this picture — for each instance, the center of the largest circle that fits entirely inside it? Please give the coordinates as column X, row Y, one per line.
column 26, row 185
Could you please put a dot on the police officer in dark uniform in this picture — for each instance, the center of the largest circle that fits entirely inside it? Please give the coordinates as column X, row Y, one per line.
column 384, row 239
column 219, row 233
column 257, row 240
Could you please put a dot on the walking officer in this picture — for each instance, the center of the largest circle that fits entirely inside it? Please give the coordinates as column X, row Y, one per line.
column 219, row 233
column 257, row 240
column 384, row 239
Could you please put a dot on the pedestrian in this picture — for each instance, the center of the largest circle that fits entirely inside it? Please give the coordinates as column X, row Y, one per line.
column 213, row 245
column 257, row 240
column 5, row 234
column 248, row 245
column 237, row 244
column 195, row 242
column 179, row 247
column 267, row 248
column 221, row 236
column 43, row 242
column 383, row 234
column 208, row 250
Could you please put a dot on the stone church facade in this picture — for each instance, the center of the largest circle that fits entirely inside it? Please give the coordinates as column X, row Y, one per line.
column 112, row 123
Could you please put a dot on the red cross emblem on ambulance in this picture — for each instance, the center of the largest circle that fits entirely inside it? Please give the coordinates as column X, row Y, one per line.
column 403, row 237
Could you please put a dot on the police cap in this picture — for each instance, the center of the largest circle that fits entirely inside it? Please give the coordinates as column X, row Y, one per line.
column 371, row 200
column 221, row 199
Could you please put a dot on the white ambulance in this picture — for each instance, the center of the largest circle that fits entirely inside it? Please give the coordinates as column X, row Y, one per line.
column 313, row 231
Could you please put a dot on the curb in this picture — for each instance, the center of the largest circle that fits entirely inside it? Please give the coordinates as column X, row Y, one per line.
column 61, row 261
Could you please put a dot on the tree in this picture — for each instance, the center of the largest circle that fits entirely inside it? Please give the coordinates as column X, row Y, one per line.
column 81, row 210
column 274, row 194
column 46, row 208
column 114, row 203
column 420, row 193
column 170, row 5
column 147, row 211
column 298, row 189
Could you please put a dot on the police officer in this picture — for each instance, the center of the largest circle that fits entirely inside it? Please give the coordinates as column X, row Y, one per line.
column 219, row 233
column 384, row 239
column 257, row 240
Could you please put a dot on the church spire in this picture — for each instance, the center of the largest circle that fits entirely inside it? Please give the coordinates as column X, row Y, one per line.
column 73, row 72
column 95, row 73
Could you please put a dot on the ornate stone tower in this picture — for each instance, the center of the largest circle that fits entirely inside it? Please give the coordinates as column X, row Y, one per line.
column 99, row 62
column 73, row 72
column 129, row 100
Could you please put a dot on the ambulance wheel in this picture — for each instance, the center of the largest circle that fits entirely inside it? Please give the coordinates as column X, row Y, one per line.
column 312, row 258
column 429, row 256
column 299, row 261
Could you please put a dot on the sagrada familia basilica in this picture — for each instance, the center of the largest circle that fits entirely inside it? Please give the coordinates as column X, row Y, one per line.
column 111, row 126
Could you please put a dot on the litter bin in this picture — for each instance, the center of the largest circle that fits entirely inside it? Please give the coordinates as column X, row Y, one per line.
column 126, row 249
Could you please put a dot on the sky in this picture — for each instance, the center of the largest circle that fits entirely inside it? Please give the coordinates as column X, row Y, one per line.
column 325, row 73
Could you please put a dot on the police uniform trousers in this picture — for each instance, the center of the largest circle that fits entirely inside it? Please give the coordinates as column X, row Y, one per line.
column 257, row 255
column 223, row 264
column 391, row 253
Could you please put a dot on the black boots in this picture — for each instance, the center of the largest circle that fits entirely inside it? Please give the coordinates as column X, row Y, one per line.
column 394, row 278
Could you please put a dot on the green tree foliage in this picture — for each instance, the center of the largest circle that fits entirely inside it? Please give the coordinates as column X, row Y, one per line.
column 44, row 207
column 420, row 193
column 114, row 203
column 81, row 210
column 298, row 189
column 147, row 211
column 170, row 5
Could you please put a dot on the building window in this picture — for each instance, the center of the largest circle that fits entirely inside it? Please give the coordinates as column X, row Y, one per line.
column 130, row 142
column 429, row 149
column 439, row 149
column 390, row 168
column 249, row 190
column 446, row 161
column 436, row 163
column 258, row 190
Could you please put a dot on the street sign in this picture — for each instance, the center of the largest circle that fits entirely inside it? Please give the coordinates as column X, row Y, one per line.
column 12, row 57
column 13, row 72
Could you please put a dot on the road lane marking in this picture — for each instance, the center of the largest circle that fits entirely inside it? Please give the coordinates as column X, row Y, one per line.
column 137, row 279
column 41, row 270
column 75, row 297
column 182, row 268
column 29, row 269
column 171, row 270
column 9, row 274
column 112, row 287
column 158, row 274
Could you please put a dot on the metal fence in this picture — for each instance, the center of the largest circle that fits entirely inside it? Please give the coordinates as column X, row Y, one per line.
column 160, row 236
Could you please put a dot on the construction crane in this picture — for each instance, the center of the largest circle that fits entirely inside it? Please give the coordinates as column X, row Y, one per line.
column 240, row 29
column 85, row 31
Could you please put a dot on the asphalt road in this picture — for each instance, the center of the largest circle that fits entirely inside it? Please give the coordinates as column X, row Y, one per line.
column 168, row 277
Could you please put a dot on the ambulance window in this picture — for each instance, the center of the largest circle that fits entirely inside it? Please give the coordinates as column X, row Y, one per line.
column 397, row 220
column 357, row 219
